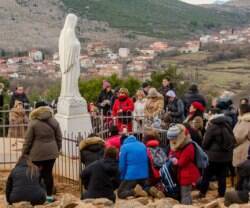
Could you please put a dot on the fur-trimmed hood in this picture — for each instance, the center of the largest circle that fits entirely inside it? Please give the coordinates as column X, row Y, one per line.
column 41, row 113
column 245, row 117
column 91, row 141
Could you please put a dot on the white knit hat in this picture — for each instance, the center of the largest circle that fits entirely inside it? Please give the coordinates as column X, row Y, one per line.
column 173, row 132
column 171, row 93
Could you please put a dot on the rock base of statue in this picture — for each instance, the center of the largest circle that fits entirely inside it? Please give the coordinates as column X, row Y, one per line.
column 75, row 123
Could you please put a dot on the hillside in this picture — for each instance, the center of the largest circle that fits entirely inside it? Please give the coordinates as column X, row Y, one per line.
column 27, row 24
column 242, row 7
column 159, row 18
column 239, row 3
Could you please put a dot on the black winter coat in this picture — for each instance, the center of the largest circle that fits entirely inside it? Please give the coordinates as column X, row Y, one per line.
column 191, row 97
column 100, row 179
column 219, row 140
column 164, row 91
column 20, row 97
column 176, row 110
column 92, row 153
column 104, row 101
column 195, row 136
column 22, row 187
column 243, row 172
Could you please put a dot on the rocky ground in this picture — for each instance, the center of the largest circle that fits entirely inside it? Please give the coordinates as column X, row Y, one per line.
column 68, row 197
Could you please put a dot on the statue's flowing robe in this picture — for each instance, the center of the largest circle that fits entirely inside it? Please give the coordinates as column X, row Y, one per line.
column 69, row 52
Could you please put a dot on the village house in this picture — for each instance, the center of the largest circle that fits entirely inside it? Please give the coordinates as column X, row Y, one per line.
column 141, row 75
column 242, row 40
column 147, row 52
column 113, row 56
column 101, row 61
column 190, row 47
column 3, row 69
column 14, row 76
column 6, row 70
column 36, row 55
column 123, row 52
column 110, row 69
column 14, row 60
column 97, row 48
column 87, row 62
column 159, row 46
column 206, row 39
column 56, row 58
column 27, row 60
column 137, row 65
column 91, row 72
column 232, row 36
column 224, row 32
column 144, row 58
column 2, row 61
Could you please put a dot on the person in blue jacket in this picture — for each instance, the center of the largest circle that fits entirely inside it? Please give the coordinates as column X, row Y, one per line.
column 133, row 166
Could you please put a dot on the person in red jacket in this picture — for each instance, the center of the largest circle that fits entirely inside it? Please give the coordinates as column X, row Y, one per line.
column 154, row 150
column 115, row 139
column 182, row 154
column 122, row 109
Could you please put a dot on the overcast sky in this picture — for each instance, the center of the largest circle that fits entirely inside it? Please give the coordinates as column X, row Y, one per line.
column 199, row 1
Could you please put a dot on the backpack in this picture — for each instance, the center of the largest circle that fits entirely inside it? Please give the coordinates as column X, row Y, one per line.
column 201, row 158
column 169, row 180
column 159, row 157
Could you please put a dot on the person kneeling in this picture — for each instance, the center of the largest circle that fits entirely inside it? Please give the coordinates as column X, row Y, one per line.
column 101, row 178
column 241, row 194
column 133, row 165
column 23, row 183
column 91, row 149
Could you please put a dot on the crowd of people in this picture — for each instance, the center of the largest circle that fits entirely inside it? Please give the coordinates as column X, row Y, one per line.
column 159, row 144
column 188, row 123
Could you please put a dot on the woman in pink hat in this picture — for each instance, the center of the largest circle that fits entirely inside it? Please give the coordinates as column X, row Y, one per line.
column 105, row 97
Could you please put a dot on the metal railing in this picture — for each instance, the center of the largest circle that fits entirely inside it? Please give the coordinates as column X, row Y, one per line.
column 67, row 165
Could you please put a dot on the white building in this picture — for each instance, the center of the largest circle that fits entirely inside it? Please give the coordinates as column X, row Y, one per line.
column 190, row 47
column 205, row 39
column 124, row 52
column 36, row 55
column 14, row 76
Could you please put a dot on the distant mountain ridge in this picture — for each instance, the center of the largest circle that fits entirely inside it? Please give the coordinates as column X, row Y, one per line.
column 159, row 18
column 220, row 2
column 239, row 3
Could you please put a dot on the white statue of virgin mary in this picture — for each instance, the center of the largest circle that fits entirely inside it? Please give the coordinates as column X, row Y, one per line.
column 69, row 53
column 72, row 113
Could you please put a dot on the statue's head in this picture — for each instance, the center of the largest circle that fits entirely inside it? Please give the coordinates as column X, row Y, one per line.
column 71, row 21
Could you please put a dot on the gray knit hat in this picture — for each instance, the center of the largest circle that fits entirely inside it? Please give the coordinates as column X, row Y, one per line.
column 173, row 132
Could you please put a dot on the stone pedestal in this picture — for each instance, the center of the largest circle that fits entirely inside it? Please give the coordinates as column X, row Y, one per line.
column 74, row 121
